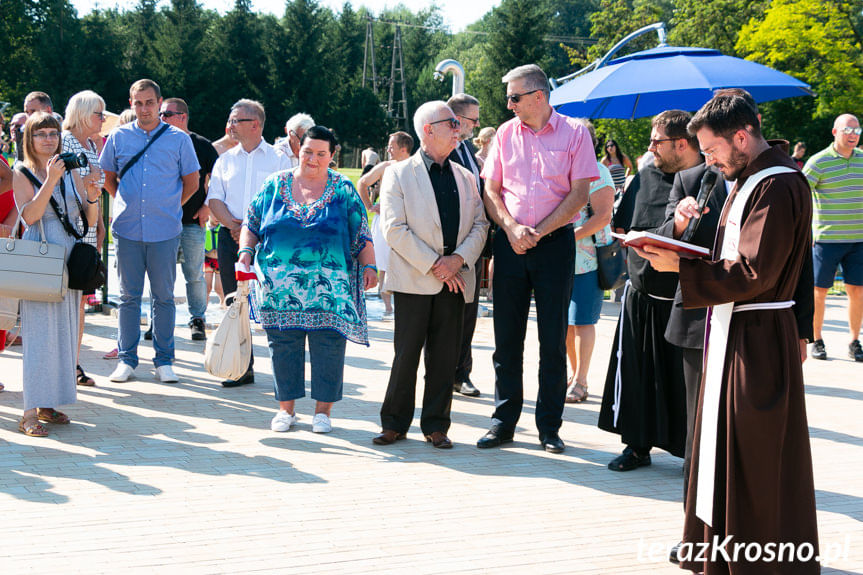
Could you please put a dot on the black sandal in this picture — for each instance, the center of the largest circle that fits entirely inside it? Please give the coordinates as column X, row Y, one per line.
column 84, row 379
column 628, row 460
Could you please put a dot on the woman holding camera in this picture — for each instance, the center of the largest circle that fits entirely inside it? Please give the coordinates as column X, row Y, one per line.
column 50, row 330
column 85, row 114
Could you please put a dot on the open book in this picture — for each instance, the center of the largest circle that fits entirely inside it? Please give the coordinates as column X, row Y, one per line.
column 640, row 239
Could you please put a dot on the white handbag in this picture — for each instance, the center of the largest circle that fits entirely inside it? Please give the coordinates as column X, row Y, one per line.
column 32, row 270
column 229, row 350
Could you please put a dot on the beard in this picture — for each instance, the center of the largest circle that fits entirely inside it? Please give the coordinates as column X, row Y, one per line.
column 737, row 162
column 670, row 163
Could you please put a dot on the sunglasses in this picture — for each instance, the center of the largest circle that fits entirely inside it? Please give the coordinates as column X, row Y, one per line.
column 170, row 114
column 453, row 123
column 235, row 121
column 516, row 98
column 855, row 131
column 656, row 141
column 474, row 120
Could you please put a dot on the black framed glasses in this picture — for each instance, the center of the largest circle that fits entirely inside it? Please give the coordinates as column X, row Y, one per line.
column 235, row 121
column 170, row 114
column 516, row 98
column 474, row 120
column 453, row 123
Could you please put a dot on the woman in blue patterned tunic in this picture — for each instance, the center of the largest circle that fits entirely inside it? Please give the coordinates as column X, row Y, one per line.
column 307, row 233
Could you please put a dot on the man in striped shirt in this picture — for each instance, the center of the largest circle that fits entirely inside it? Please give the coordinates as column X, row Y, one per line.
column 836, row 177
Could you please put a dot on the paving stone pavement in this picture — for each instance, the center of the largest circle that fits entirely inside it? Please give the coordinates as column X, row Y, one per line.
column 160, row 478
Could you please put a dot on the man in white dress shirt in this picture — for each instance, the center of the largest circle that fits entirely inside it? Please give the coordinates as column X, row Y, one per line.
column 236, row 179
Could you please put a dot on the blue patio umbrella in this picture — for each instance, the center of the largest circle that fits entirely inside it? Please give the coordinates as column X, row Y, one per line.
column 668, row 77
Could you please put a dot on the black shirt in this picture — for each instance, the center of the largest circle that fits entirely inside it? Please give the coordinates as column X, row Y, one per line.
column 446, row 196
column 207, row 156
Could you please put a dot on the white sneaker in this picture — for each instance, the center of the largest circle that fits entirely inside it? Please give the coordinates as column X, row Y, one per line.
column 283, row 421
column 122, row 372
column 321, row 423
column 165, row 374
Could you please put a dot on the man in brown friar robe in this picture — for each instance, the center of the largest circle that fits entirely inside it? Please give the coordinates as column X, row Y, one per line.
column 751, row 478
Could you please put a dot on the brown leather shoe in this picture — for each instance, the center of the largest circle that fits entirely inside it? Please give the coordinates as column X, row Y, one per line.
column 388, row 437
column 439, row 439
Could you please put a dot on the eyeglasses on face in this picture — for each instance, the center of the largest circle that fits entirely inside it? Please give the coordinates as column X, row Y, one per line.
column 855, row 131
column 453, row 123
column 516, row 98
column 100, row 115
column 46, row 135
column 235, row 121
column 170, row 114
column 473, row 120
column 656, row 141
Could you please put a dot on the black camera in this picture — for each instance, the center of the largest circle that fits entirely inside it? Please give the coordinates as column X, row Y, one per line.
column 74, row 161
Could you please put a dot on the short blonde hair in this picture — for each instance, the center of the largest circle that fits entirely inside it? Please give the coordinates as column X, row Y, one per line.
column 80, row 110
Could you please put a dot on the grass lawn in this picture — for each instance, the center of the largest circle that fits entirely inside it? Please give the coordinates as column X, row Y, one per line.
column 353, row 173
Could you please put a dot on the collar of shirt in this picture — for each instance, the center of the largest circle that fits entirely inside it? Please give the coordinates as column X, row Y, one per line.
column 240, row 151
column 550, row 126
column 138, row 128
column 429, row 163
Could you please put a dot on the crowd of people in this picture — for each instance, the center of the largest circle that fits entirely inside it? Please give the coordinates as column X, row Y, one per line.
column 706, row 362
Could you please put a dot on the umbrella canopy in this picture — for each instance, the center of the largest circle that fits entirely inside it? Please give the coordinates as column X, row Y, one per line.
column 668, row 77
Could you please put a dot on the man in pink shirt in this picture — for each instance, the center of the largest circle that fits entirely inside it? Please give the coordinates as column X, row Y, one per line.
column 536, row 179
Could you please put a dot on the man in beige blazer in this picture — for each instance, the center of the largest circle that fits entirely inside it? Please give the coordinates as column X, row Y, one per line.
column 434, row 222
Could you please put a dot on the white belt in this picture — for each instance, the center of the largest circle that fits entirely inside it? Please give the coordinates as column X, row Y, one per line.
column 764, row 305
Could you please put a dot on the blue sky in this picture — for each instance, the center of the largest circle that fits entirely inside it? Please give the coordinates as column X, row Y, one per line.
column 457, row 13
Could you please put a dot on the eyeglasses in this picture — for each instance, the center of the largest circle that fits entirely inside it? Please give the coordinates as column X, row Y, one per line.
column 849, row 131
column 515, row 98
column 170, row 114
column 235, row 121
column 656, row 141
column 100, row 115
column 474, row 120
column 453, row 123
column 46, row 135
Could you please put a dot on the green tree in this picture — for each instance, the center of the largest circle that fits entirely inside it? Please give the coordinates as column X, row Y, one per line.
column 713, row 23
column 517, row 30
column 18, row 30
column 818, row 41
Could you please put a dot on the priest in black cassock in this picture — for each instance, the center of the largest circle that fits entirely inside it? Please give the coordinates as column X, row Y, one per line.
column 645, row 399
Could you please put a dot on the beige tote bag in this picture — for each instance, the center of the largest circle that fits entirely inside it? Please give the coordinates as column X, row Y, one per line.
column 229, row 350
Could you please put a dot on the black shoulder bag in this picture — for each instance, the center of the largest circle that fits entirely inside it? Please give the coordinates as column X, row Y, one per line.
column 86, row 270
column 137, row 156
column 610, row 261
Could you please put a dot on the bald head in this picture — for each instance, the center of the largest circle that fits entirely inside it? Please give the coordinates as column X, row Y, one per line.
column 846, row 134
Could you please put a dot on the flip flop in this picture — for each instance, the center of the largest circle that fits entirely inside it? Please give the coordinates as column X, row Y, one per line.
column 84, row 379
column 51, row 415
column 577, row 393
column 32, row 427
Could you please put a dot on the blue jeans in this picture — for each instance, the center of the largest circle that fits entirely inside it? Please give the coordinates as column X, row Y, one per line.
column 192, row 240
column 327, row 354
column 158, row 260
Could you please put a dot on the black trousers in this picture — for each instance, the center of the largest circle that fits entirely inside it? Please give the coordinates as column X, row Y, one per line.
column 465, row 357
column 226, row 252
column 693, row 360
column 432, row 322
column 546, row 271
